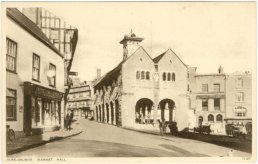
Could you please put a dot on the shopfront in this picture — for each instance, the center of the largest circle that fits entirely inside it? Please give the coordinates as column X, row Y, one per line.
column 42, row 110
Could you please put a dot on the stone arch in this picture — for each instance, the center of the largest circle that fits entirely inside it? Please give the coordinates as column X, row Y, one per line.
column 107, row 112
column 219, row 118
column 97, row 112
column 117, row 112
column 100, row 114
column 103, row 113
column 144, row 111
column 210, row 118
column 165, row 109
column 112, row 108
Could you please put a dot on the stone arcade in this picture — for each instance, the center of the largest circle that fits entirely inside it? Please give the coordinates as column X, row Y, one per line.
column 141, row 90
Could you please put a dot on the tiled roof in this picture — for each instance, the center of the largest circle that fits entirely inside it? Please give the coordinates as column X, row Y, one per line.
column 30, row 27
column 104, row 77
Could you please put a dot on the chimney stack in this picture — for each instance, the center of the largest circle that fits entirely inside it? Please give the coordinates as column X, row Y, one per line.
column 98, row 73
column 221, row 70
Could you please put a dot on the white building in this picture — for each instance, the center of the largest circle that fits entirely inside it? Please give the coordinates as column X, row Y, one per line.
column 34, row 76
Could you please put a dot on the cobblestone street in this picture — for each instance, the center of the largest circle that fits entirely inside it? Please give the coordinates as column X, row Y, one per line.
column 102, row 140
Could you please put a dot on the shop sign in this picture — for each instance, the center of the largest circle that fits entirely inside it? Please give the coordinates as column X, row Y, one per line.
column 41, row 92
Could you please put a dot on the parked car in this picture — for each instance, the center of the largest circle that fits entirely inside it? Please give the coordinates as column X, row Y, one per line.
column 203, row 129
column 229, row 129
column 237, row 131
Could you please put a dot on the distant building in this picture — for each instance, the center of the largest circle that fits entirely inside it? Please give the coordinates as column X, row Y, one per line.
column 34, row 77
column 142, row 90
column 207, row 92
column 239, row 98
column 80, row 100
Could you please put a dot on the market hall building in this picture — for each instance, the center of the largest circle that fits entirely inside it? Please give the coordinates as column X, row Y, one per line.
column 34, row 77
column 142, row 90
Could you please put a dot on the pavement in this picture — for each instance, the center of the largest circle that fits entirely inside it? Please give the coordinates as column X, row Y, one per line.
column 28, row 142
column 103, row 140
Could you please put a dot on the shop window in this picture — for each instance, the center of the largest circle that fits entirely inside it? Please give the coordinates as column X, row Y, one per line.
column 204, row 87
column 52, row 69
column 219, row 118
column 210, row 118
column 216, row 87
column 205, row 104
column 35, row 67
column 142, row 75
column 11, row 55
column 217, row 104
column 240, row 97
column 147, row 75
column 169, row 76
column 11, row 99
column 164, row 76
column 173, row 77
column 138, row 75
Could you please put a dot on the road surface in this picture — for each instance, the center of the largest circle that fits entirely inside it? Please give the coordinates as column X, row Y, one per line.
column 103, row 140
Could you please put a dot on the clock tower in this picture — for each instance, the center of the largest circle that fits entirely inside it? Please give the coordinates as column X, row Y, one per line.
column 130, row 44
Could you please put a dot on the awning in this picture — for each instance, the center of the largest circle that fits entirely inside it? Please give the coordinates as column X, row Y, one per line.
column 9, row 94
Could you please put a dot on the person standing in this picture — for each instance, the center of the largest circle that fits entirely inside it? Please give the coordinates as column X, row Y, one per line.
column 148, row 118
column 161, row 127
column 69, row 118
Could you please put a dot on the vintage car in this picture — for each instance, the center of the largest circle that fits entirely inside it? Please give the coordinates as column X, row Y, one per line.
column 203, row 129
column 237, row 131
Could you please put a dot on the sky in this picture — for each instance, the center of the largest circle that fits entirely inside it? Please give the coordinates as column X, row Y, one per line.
column 204, row 35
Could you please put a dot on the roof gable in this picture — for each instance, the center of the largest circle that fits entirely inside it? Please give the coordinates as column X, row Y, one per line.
column 159, row 57
column 137, row 52
column 30, row 27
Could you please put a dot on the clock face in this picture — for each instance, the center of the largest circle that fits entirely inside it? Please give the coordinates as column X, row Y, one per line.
column 156, row 77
